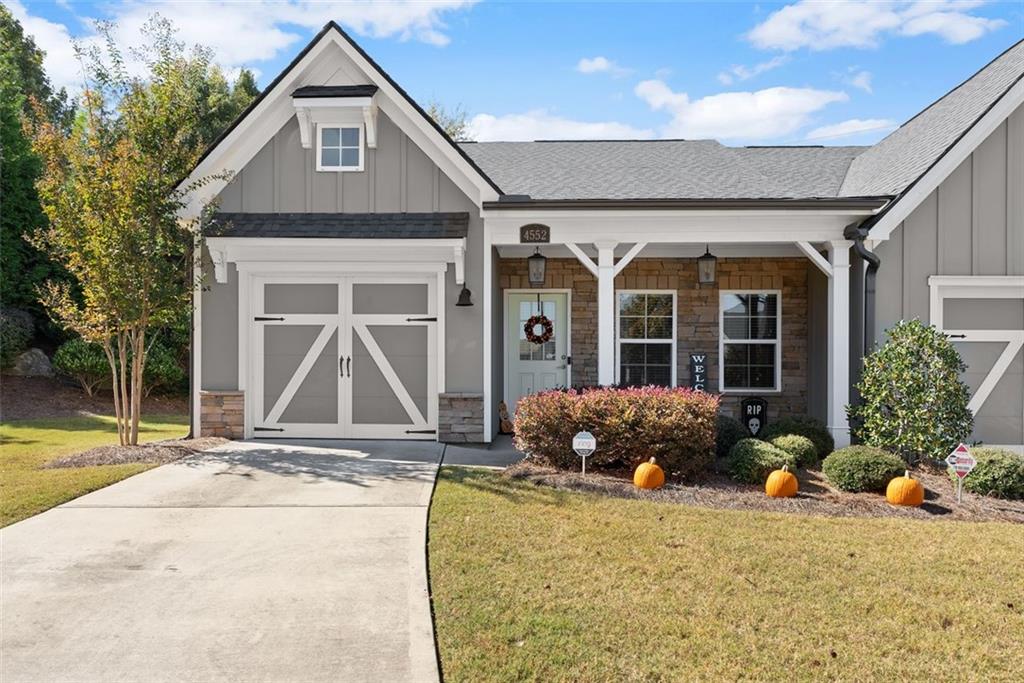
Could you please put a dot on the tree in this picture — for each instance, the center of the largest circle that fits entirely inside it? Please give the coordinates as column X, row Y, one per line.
column 109, row 188
column 22, row 80
column 913, row 402
column 453, row 122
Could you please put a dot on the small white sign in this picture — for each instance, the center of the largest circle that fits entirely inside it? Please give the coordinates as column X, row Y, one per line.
column 961, row 461
column 584, row 444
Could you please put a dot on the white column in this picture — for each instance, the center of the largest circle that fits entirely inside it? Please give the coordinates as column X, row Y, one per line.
column 839, row 341
column 605, row 312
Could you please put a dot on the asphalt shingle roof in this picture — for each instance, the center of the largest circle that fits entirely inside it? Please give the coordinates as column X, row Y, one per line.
column 661, row 169
column 350, row 225
column 903, row 156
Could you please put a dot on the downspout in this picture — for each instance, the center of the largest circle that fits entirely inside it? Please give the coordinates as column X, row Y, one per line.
column 858, row 233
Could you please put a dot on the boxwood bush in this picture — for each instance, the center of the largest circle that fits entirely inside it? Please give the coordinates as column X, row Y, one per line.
column 87, row 364
column 752, row 460
column 802, row 425
column 800, row 447
column 862, row 468
column 999, row 473
column 728, row 431
column 676, row 426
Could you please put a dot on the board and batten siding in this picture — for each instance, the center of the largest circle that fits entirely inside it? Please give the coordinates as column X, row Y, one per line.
column 398, row 177
column 972, row 224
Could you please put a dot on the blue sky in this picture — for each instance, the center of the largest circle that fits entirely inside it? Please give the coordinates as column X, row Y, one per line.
column 803, row 72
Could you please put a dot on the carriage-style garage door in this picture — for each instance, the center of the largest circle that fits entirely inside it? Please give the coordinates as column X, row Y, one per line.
column 344, row 357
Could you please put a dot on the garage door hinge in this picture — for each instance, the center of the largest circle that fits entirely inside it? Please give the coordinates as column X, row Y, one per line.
column 267, row 429
column 263, row 317
column 421, row 320
column 421, row 431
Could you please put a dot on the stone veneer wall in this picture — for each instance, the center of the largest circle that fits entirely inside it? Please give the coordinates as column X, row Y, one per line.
column 222, row 414
column 460, row 418
column 696, row 314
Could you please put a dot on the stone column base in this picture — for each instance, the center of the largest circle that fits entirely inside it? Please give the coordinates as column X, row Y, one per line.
column 222, row 413
column 460, row 418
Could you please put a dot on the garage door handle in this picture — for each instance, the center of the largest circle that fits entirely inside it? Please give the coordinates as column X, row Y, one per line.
column 341, row 367
column 264, row 317
column 957, row 336
column 348, row 365
column 421, row 320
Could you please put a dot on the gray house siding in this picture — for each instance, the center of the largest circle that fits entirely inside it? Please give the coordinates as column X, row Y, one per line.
column 398, row 177
column 973, row 224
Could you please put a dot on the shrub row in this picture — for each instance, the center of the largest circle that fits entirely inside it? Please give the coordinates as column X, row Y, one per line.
column 999, row 473
column 88, row 365
column 676, row 426
column 752, row 460
column 862, row 468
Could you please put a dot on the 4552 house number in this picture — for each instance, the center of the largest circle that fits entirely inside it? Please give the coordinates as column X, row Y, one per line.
column 534, row 233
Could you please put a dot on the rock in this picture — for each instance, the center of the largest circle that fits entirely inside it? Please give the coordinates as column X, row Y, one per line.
column 32, row 363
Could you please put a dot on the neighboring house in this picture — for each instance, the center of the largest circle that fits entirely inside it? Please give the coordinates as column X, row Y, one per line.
column 367, row 277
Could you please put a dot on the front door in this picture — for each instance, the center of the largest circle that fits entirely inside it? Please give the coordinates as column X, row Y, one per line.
column 344, row 357
column 532, row 366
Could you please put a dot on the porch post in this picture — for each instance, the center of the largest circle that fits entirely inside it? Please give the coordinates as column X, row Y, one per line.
column 839, row 341
column 605, row 312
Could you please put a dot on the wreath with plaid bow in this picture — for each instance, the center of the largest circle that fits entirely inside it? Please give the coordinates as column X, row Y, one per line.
column 530, row 328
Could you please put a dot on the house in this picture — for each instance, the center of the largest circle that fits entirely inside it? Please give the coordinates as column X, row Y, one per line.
column 367, row 277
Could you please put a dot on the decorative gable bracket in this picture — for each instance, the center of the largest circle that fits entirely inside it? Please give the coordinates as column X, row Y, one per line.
column 333, row 105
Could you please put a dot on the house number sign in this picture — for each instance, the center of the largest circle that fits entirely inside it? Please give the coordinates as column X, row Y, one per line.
column 698, row 371
column 534, row 233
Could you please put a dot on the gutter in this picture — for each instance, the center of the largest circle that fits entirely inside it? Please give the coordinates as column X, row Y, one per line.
column 858, row 233
column 523, row 202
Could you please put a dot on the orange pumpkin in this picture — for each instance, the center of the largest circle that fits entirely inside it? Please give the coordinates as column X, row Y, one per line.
column 649, row 476
column 781, row 484
column 904, row 491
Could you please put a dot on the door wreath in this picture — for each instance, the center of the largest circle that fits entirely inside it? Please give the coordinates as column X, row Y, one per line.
column 530, row 328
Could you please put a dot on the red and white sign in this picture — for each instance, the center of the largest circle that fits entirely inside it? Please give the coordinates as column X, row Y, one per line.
column 961, row 461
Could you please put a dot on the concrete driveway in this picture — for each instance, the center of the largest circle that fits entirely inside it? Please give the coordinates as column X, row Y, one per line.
column 251, row 562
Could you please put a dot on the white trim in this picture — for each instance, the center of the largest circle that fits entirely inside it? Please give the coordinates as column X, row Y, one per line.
column 340, row 168
column 673, row 342
column 488, row 334
column 605, row 311
column 630, row 255
column 312, row 355
column 816, row 258
column 587, row 262
column 948, row 162
column 777, row 388
column 197, row 337
column 662, row 250
column 504, row 333
column 839, row 341
column 390, row 376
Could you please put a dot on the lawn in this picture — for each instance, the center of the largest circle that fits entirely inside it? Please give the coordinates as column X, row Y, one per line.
column 26, row 490
column 531, row 583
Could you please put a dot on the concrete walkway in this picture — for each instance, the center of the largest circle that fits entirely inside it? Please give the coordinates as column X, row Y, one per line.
column 253, row 562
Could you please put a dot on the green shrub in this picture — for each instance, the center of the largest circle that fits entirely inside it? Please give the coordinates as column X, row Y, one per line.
column 83, row 361
column 999, row 473
column 800, row 447
column 676, row 426
column 913, row 402
column 752, row 460
column 862, row 468
column 16, row 331
column 802, row 425
column 728, row 430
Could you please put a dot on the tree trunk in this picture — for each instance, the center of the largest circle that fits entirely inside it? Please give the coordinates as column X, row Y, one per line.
column 138, row 364
column 108, row 349
column 122, row 350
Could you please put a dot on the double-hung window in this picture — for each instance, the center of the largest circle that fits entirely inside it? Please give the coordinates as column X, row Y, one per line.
column 749, row 342
column 339, row 148
column 646, row 347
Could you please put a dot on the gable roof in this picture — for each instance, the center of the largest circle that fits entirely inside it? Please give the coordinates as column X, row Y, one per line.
column 900, row 159
column 662, row 169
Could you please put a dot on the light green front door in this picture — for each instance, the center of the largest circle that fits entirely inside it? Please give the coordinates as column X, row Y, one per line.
column 535, row 367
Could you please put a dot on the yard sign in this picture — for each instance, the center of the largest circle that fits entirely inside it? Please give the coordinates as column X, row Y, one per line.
column 584, row 444
column 962, row 463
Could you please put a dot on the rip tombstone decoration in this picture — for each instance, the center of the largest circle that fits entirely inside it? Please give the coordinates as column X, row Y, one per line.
column 754, row 415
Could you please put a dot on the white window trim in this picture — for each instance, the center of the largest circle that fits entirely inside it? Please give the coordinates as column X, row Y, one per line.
column 722, row 293
column 619, row 340
column 319, row 147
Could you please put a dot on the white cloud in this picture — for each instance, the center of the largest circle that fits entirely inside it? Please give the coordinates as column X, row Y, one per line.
column 243, row 33
column 862, row 80
column 851, row 127
column 821, row 25
column 738, row 72
column 595, row 65
column 539, row 124
column 760, row 115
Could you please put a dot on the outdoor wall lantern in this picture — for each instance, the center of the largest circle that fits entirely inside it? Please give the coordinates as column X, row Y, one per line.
column 464, row 297
column 706, row 267
column 536, row 267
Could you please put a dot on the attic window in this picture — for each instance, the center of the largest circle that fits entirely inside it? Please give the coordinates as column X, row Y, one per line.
column 339, row 148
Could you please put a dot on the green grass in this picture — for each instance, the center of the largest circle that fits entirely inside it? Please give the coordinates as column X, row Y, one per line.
column 530, row 583
column 26, row 490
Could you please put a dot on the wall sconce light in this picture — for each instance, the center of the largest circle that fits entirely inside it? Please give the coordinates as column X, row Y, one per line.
column 536, row 267
column 706, row 267
column 464, row 297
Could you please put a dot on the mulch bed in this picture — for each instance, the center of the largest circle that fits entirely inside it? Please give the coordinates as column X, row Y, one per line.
column 157, row 452
column 816, row 496
column 29, row 398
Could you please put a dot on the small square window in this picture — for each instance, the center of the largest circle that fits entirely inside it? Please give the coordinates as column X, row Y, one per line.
column 340, row 148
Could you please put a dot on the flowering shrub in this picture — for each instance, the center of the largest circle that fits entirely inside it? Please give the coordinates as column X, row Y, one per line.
column 676, row 426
